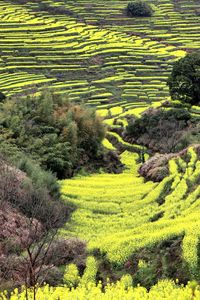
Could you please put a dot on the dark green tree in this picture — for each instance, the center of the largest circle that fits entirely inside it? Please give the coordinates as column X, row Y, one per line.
column 2, row 96
column 139, row 9
column 184, row 81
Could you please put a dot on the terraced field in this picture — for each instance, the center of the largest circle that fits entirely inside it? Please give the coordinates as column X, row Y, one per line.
column 93, row 53
column 120, row 214
column 119, row 71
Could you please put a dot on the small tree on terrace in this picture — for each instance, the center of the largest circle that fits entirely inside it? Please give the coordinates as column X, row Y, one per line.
column 184, row 81
column 139, row 9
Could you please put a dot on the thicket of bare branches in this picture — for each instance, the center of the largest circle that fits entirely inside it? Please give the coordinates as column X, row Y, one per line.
column 30, row 250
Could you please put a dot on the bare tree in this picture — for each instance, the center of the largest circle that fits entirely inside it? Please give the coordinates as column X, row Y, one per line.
column 10, row 179
column 168, row 134
column 34, row 259
column 37, row 237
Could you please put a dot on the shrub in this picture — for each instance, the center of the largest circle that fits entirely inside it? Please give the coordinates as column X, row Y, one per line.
column 53, row 276
column 2, row 96
column 67, row 251
column 145, row 275
column 36, row 197
column 184, row 81
column 41, row 179
column 139, row 9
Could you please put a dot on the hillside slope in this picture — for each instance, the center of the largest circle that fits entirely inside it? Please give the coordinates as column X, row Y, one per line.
column 120, row 214
column 93, row 53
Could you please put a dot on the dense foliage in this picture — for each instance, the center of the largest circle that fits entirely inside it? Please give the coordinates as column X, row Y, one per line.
column 60, row 135
column 139, row 9
column 184, row 81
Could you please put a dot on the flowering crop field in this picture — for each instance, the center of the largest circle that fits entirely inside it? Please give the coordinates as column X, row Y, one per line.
column 109, row 67
column 121, row 290
column 93, row 53
column 114, row 212
column 96, row 55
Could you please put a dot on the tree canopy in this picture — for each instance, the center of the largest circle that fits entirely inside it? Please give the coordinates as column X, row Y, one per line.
column 139, row 9
column 184, row 81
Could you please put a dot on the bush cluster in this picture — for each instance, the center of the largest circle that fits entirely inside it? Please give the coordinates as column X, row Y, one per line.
column 34, row 192
column 60, row 135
